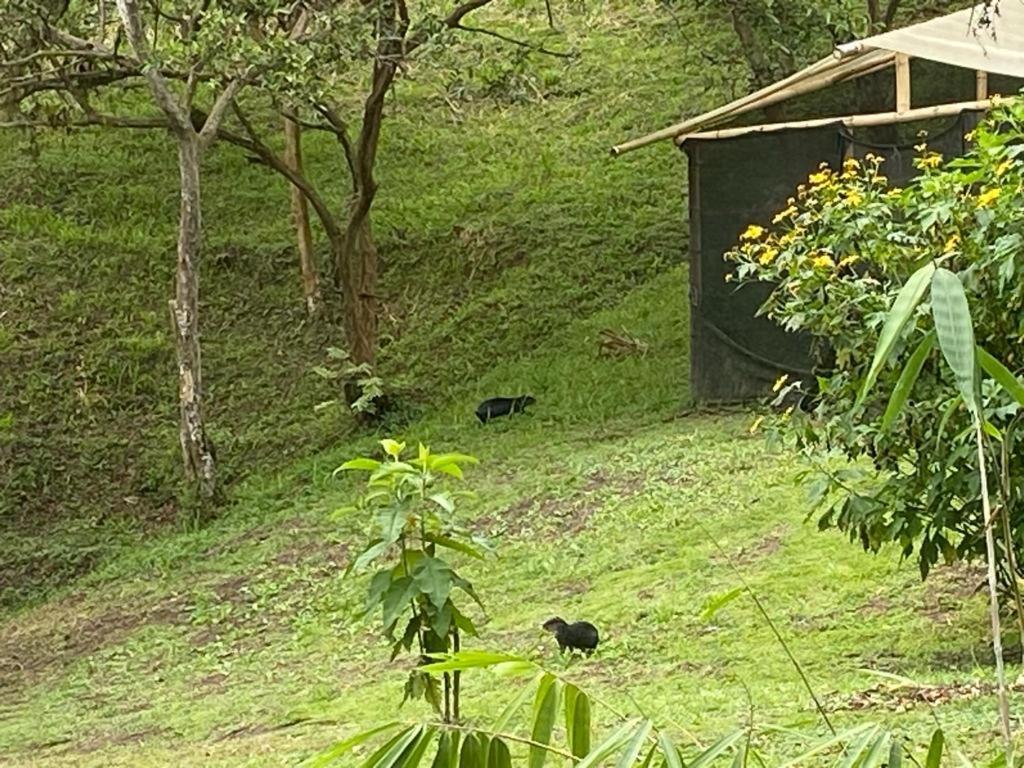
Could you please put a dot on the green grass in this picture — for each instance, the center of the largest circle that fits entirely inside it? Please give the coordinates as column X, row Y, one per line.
column 509, row 241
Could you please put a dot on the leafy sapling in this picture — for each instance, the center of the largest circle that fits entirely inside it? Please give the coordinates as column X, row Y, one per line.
column 412, row 505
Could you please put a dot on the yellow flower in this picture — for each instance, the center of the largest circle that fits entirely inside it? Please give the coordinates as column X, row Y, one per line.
column 847, row 260
column 790, row 211
column 753, row 232
column 988, row 197
column 787, row 413
column 823, row 261
column 853, row 197
column 768, row 255
column 756, row 424
column 969, row 135
column 931, row 160
column 1004, row 167
column 851, row 164
column 952, row 243
column 920, row 147
column 779, row 382
column 817, row 179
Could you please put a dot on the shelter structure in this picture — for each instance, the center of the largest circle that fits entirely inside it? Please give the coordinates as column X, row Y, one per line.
column 739, row 174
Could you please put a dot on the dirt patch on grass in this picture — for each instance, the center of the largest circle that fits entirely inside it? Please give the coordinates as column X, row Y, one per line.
column 114, row 739
column 551, row 516
column 905, row 697
column 756, row 551
column 948, row 588
column 52, row 639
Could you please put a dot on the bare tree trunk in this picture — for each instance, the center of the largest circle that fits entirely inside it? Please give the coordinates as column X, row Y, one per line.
column 196, row 449
column 300, row 216
column 359, row 290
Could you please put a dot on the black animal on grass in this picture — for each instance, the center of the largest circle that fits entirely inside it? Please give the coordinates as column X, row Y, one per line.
column 502, row 406
column 581, row 636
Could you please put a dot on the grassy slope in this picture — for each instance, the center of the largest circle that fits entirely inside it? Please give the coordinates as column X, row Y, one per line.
column 188, row 647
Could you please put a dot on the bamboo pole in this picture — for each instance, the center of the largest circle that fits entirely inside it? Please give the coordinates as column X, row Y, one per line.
column 902, row 82
column 822, row 74
column 851, row 121
column 980, row 85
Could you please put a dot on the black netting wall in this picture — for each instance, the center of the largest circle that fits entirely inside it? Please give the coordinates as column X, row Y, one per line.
column 734, row 355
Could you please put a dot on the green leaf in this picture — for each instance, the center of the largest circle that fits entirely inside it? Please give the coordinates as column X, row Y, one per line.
column 378, row 587
column 397, row 599
column 607, row 747
column 388, row 755
column 459, row 546
column 895, row 755
column 473, row 753
column 823, row 746
column 1002, row 375
column 392, row 447
column 463, row 660
column 879, row 750
column 371, row 465
column 955, row 330
column 715, row 603
column 341, row 748
column 855, row 752
column 946, row 416
column 545, row 708
column 709, row 755
column 906, row 382
column 669, row 751
column 447, row 755
column 414, row 753
column 577, row 720
column 902, row 310
column 434, row 578
column 498, row 755
column 934, row 758
column 636, row 743
column 444, row 501
column 377, row 549
column 514, row 706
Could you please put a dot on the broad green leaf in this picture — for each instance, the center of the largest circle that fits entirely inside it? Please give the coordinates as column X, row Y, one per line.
column 498, row 755
column 906, row 382
column 341, row 748
column 934, row 758
column 397, row 598
column 358, row 464
column 636, row 743
column 369, row 555
column 513, row 668
column 434, row 579
column 443, row 500
column 710, row 754
column 607, row 747
column 473, row 754
column 902, row 310
column 545, row 711
column 459, row 546
column 1002, row 375
column 392, row 448
column 577, row 720
column 513, row 707
column 715, row 603
column 955, row 331
column 447, row 755
column 669, row 751
column 650, row 757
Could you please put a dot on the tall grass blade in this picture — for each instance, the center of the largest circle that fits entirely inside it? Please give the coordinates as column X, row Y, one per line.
column 899, row 315
column 636, row 743
column 1002, row 375
column 906, row 382
column 341, row 748
column 709, row 755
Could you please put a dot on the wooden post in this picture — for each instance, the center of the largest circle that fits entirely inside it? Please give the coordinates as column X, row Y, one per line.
column 902, row 82
column 981, row 85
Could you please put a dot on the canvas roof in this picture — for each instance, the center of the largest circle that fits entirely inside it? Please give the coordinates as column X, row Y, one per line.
column 955, row 39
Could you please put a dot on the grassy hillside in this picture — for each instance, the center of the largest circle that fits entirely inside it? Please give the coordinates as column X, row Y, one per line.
column 509, row 241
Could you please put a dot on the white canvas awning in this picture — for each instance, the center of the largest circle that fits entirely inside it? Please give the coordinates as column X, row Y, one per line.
column 955, row 39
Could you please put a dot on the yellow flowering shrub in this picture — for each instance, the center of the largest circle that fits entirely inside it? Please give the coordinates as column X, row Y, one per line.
column 837, row 255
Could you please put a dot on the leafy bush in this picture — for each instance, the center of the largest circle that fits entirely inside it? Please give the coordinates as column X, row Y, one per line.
column 904, row 468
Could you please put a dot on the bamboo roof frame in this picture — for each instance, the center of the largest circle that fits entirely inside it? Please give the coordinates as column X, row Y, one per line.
column 848, row 62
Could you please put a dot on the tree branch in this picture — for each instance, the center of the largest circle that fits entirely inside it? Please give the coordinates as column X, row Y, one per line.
column 451, row 21
column 220, row 106
column 890, row 13
column 340, row 130
column 514, row 41
column 132, row 22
